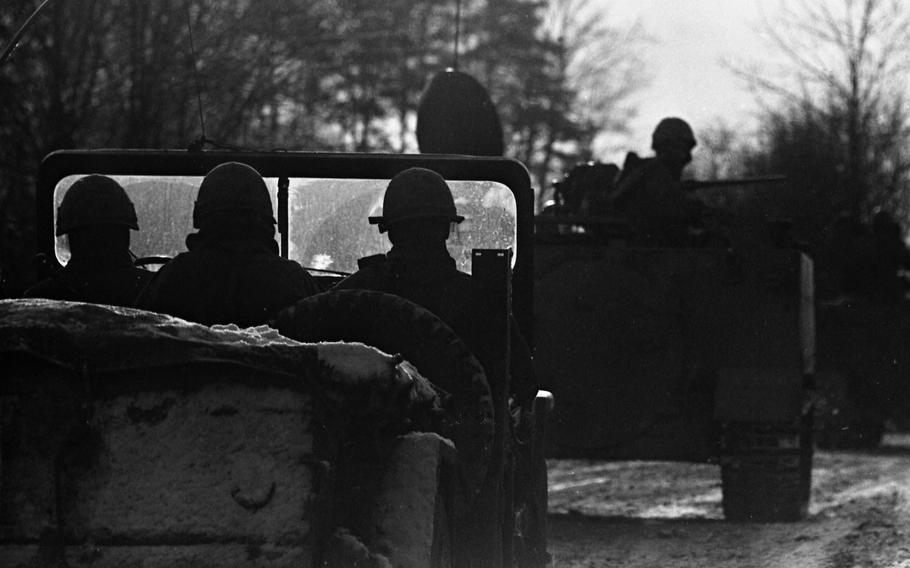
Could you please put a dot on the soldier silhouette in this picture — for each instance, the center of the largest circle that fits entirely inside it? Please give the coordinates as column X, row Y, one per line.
column 232, row 272
column 418, row 212
column 96, row 216
column 649, row 191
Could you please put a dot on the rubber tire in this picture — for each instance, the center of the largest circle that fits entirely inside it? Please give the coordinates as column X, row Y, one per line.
column 763, row 477
column 398, row 326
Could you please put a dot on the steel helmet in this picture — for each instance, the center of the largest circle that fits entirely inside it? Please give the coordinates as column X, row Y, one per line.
column 413, row 194
column 95, row 200
column 672, row 130
column 232, row 186
column 456, row 116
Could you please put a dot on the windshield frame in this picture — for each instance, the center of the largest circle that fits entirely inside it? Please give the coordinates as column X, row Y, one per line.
column 508, row 172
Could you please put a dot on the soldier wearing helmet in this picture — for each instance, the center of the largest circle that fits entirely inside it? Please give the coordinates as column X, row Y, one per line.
column 96, row 217
column 231, row 272
column 418, row 212
column 650, row 191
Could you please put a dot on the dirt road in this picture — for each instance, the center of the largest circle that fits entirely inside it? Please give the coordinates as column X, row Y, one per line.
column 644, row 514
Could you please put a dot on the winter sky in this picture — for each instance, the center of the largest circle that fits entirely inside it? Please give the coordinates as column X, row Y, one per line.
column 689, row 40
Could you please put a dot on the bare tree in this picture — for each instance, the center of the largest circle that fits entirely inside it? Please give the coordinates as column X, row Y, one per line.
column 720, row 152
column 595, row 66
column 845, row 64
column 93, row 73
column 604, row 65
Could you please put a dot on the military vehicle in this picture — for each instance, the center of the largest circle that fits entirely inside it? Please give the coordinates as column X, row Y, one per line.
column 862, row 372
column 863, row 334
column 130, row 436
column 694, row 352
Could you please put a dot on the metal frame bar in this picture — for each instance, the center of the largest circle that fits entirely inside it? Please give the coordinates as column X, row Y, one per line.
column 508, row 172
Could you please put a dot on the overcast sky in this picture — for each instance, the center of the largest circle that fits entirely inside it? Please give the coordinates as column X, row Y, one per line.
column 690, row 37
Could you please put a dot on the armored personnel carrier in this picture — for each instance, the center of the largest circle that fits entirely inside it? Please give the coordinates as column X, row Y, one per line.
column 691, row 352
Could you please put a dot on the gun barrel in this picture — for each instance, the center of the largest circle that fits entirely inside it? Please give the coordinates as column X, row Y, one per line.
column 692, row 185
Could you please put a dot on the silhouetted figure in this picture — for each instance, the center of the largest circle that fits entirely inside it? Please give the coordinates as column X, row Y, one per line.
column 418, row 212
column 232, row 272
column 96, row 215
column 649, row 191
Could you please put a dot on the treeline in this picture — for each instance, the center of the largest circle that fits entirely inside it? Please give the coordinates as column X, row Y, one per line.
column 294, row 74
column 835, row 118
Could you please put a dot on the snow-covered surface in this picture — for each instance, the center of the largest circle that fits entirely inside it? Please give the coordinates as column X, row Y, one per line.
column 642, row 514
column 100, row 340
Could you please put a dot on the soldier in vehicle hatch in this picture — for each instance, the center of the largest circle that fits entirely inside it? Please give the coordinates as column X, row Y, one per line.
column 649, row 191
column 96, row 215
column 232, row 272
column 418, row 212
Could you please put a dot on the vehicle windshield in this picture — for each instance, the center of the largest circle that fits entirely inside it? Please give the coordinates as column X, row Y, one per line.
column 327, row 218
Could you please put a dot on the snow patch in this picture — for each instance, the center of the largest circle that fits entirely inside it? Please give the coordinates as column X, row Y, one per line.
column 354, row 363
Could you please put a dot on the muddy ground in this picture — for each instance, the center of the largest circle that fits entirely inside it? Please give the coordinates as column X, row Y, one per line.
column 645, row 514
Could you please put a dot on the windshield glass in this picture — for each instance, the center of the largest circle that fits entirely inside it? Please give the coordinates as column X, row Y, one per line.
column 327, row 218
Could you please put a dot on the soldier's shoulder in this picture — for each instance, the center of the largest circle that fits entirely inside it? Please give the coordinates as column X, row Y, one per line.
column 178, row 263
column 634, row 168
column 282, row 269
column 372, row 261
column 647, row 166
column 462, row 276
column 456, row 282
column 372, row 273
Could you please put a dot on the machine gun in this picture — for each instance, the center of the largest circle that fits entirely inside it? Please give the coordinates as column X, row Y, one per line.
column 695, row 185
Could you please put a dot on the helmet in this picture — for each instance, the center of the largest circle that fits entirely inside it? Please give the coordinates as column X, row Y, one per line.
column 95, row 200
column 672, row 130
column 232, row 186
column 456, row 116
column 413, row 194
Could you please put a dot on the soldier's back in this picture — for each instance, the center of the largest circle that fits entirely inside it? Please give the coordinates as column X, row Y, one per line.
column 116, row 286
column 655, row 202
column 432, row 284
column 220, row 286
column 435, row 284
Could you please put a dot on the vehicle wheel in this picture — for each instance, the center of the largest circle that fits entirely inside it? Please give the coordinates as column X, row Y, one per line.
column 766, row 471
column 397, row 326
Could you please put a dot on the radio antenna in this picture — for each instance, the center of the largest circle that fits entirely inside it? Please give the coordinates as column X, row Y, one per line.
column 457, row 33
column 8, row 50
column 189, row 28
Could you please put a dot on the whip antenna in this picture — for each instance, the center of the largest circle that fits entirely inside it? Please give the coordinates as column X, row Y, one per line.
column 189, row 29
column 20, row 32
column 457, row 32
